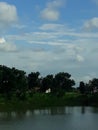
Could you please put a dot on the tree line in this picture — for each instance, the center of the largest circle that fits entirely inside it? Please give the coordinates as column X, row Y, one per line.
column 16, row 82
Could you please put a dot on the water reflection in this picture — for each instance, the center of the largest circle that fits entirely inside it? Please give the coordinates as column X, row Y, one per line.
column 49, row 111
column 69, row 118
column 83, row 109
column 95, row 110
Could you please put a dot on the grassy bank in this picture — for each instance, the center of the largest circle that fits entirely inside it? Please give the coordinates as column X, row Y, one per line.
column 48, row 100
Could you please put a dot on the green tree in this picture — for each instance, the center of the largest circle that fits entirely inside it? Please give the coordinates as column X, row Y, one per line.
column 12, row 81
column 82, row 87
column 33, row 80
column 46, row 83
column 62, row 82
column 93, row 85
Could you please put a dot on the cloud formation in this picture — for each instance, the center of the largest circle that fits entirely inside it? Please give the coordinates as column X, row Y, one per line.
column 79, row 58
column 51, row 11
column 56, row 41
column 6, row 47
column 61, row 51
column 8, row 14
column 52, row 27
column 91, row 24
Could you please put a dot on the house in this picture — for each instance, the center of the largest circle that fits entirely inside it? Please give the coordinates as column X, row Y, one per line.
column 48, row 91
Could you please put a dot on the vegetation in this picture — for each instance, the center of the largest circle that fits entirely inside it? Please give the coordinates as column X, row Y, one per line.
column 20, row 90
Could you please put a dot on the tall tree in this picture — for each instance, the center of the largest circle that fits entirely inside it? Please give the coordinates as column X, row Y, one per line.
column 12, row 80
column 82, row 87
column 93, row 85
column 63, row 82
column 47, row 82
column 33, row 80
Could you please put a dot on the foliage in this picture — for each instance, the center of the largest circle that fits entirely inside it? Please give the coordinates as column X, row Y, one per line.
column 62, row 82
column 12, row 81
column 82, row 88
column 33, row 80
column 46, row 83
column 16, row 86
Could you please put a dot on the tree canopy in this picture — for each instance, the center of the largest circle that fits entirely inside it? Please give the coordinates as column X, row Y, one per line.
column 17, row 82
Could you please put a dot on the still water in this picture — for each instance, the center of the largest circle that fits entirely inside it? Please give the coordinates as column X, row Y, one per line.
column 61, row 118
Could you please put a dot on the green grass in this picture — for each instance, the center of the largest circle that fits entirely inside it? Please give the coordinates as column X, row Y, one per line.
column 39, row 100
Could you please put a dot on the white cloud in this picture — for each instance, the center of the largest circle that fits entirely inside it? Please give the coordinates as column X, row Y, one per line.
column 67, row 50
column 19, row 26
column 50, row 14
column 55, row 4
column 76, row 57
column 8, row 14
column 52, row 27
column 2, row 40
column 6, row 47
column 51, row 11
column 91, row 24
column 79, row 58
column 57, row 46
column 54, row 33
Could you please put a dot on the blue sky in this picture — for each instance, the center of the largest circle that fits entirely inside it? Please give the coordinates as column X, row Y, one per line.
column 50, row 36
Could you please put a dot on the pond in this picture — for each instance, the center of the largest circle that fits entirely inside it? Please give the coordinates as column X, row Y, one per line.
column 60, row 118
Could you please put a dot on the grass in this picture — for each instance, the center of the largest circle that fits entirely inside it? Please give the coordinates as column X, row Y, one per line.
column 39, row 100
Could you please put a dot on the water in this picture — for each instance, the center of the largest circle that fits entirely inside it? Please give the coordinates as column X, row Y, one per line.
column 62, row 118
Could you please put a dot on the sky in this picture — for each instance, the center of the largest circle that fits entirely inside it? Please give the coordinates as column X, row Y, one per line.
column 50, row 36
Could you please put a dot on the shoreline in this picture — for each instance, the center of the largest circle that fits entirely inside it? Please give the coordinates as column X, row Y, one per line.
column 45, row 101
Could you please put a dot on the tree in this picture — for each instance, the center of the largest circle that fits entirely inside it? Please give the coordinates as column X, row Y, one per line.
column 11, row 81
column 93, row 85
column 47, row 82
column 63, row 82
column 82, row 87
column 33, row 80
column 20, row 83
